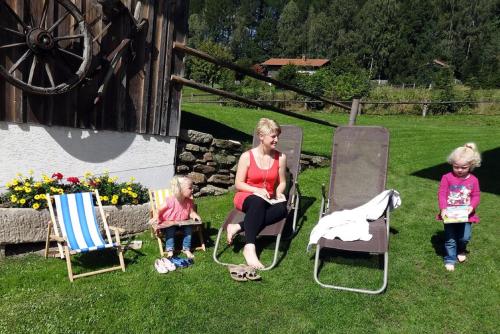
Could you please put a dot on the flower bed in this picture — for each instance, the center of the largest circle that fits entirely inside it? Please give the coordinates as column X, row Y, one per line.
column 26, row 192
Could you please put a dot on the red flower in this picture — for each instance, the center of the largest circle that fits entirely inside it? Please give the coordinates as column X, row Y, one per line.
column 73, row 179
column 57, row 176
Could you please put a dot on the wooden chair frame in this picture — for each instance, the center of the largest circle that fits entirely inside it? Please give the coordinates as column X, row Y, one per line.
column 63, row 244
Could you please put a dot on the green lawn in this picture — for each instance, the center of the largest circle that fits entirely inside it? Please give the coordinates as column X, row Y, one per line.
column 36, row 296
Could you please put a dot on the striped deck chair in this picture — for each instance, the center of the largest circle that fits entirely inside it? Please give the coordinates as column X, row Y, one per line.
column 76, row 230
column 156, row 199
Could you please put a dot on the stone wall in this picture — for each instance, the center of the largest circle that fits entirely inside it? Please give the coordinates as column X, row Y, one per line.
column 211, row 162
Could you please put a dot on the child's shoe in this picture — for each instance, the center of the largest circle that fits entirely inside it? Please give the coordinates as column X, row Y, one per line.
column 188, row 253
column 450, row 267
column 461, row 258
column 160, row 267
column 167, row 264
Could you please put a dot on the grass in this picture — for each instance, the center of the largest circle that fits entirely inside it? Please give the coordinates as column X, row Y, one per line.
column 36, row 296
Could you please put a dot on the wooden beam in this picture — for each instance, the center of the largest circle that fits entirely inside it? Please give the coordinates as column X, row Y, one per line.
column 234, row 67
column 235, row 97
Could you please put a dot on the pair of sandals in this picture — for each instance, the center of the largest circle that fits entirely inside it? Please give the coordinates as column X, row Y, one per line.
column 242, row 273
column 164, row 265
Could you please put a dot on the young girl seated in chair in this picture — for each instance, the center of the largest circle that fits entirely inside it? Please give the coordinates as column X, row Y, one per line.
column 176, row 208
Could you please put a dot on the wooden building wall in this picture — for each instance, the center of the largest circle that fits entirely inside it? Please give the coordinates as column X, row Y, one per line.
column 140, row 97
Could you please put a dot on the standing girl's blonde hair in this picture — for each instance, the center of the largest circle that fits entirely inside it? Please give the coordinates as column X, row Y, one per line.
column 467, row 154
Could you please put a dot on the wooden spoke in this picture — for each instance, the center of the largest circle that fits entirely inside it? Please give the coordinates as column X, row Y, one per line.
column 68, row 37
column 70, row 53
column 13, row 13
column 11, row 45
column 58, row 22
column 19, row 61
column 15, row 32
column 44, row 14
column 49, row 74
column 32, row 70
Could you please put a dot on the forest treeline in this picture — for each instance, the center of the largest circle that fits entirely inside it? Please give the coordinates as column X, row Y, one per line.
column 395, row 40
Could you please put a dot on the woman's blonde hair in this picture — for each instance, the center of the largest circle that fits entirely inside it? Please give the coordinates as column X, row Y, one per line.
column 176, row 185
column 467, row 153
column 267, row 126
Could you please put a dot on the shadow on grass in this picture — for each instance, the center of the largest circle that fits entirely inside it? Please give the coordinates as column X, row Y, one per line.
column 203, row 124
column 102, row 259
column 437, row 241
column 487, row 173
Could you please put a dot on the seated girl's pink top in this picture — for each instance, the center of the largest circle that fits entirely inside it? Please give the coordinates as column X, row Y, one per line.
column 175, row 210
column 260, row 178
column 455, row 191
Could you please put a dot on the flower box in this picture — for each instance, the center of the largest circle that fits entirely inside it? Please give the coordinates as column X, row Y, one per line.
column 20, row 225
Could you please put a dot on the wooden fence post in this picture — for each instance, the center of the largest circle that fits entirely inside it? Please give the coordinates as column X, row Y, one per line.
column 354, row 112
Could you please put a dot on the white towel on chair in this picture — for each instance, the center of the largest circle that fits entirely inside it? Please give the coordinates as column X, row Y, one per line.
column 351, row 225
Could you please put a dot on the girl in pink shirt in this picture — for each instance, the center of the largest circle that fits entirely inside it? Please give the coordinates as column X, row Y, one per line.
column 178, row 207
column 459, row 188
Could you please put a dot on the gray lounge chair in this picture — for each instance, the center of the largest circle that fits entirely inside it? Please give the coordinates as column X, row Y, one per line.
column 290, row 143
column 358, row 173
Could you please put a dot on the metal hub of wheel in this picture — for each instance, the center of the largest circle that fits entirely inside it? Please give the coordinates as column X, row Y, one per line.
column 49, row 55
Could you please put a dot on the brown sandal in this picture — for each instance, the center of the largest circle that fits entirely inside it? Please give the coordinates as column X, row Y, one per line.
column 238, row 273
column 250, row 273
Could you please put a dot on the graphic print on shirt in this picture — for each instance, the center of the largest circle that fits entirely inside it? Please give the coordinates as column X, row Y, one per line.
column 459, row 195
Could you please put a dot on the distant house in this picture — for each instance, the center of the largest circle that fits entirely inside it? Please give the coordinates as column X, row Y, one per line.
column 304, row 64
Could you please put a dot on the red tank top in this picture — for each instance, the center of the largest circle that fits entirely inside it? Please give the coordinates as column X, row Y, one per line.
column 260, row 178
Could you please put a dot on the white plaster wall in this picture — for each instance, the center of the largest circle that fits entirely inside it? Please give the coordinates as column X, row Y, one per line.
column 72, row 152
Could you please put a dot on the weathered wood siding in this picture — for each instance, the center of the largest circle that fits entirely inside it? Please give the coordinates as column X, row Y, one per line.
column 140, row 97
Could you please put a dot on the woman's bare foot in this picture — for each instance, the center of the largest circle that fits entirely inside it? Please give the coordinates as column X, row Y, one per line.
column 188, row 253
column 232, row 229
column 251, row 257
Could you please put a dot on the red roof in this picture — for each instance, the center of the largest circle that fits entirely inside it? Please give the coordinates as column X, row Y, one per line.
column 296, row 62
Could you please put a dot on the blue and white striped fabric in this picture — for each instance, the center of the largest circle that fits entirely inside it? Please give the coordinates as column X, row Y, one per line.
column 78, row 223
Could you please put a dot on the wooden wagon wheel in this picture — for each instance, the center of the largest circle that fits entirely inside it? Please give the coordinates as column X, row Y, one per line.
column 32, row 54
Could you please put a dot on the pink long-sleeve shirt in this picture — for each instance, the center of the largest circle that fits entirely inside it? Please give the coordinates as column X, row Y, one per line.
column 454, row 191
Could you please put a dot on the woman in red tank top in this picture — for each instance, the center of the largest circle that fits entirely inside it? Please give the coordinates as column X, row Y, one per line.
column 261, row 172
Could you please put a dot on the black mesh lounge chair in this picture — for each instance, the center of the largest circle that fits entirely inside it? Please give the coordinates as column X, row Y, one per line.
column 290, row 143
column 358, row 173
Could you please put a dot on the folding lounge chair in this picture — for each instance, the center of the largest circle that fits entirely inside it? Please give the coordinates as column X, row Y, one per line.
column 290, row 143
column 76, row 229
column 358, row 173
column 156, row 199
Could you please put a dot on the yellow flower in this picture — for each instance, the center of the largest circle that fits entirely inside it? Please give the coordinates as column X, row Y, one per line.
column 43, row 196
column 27, row 190
column 129, row 188
column 13, row 198
column 19, row 174
column 60, row 191
column 105, row 198
column 114, row 178
column 124, row 190
column 36, row 205
column 132, row 179
column 15, row 183
column 31, row 172
column 114, row 201
column 134, row 195
column 135, row 201
column 8, row 184
column 87, row 174
column 18, row 188
column 97, row 180
column 37, row 196
column 37, row 184
column 22, row 201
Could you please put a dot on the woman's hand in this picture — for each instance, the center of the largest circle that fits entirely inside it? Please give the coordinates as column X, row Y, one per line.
column 262, row 192
column 443, row 213
column 470, row 209
column 280, row 196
